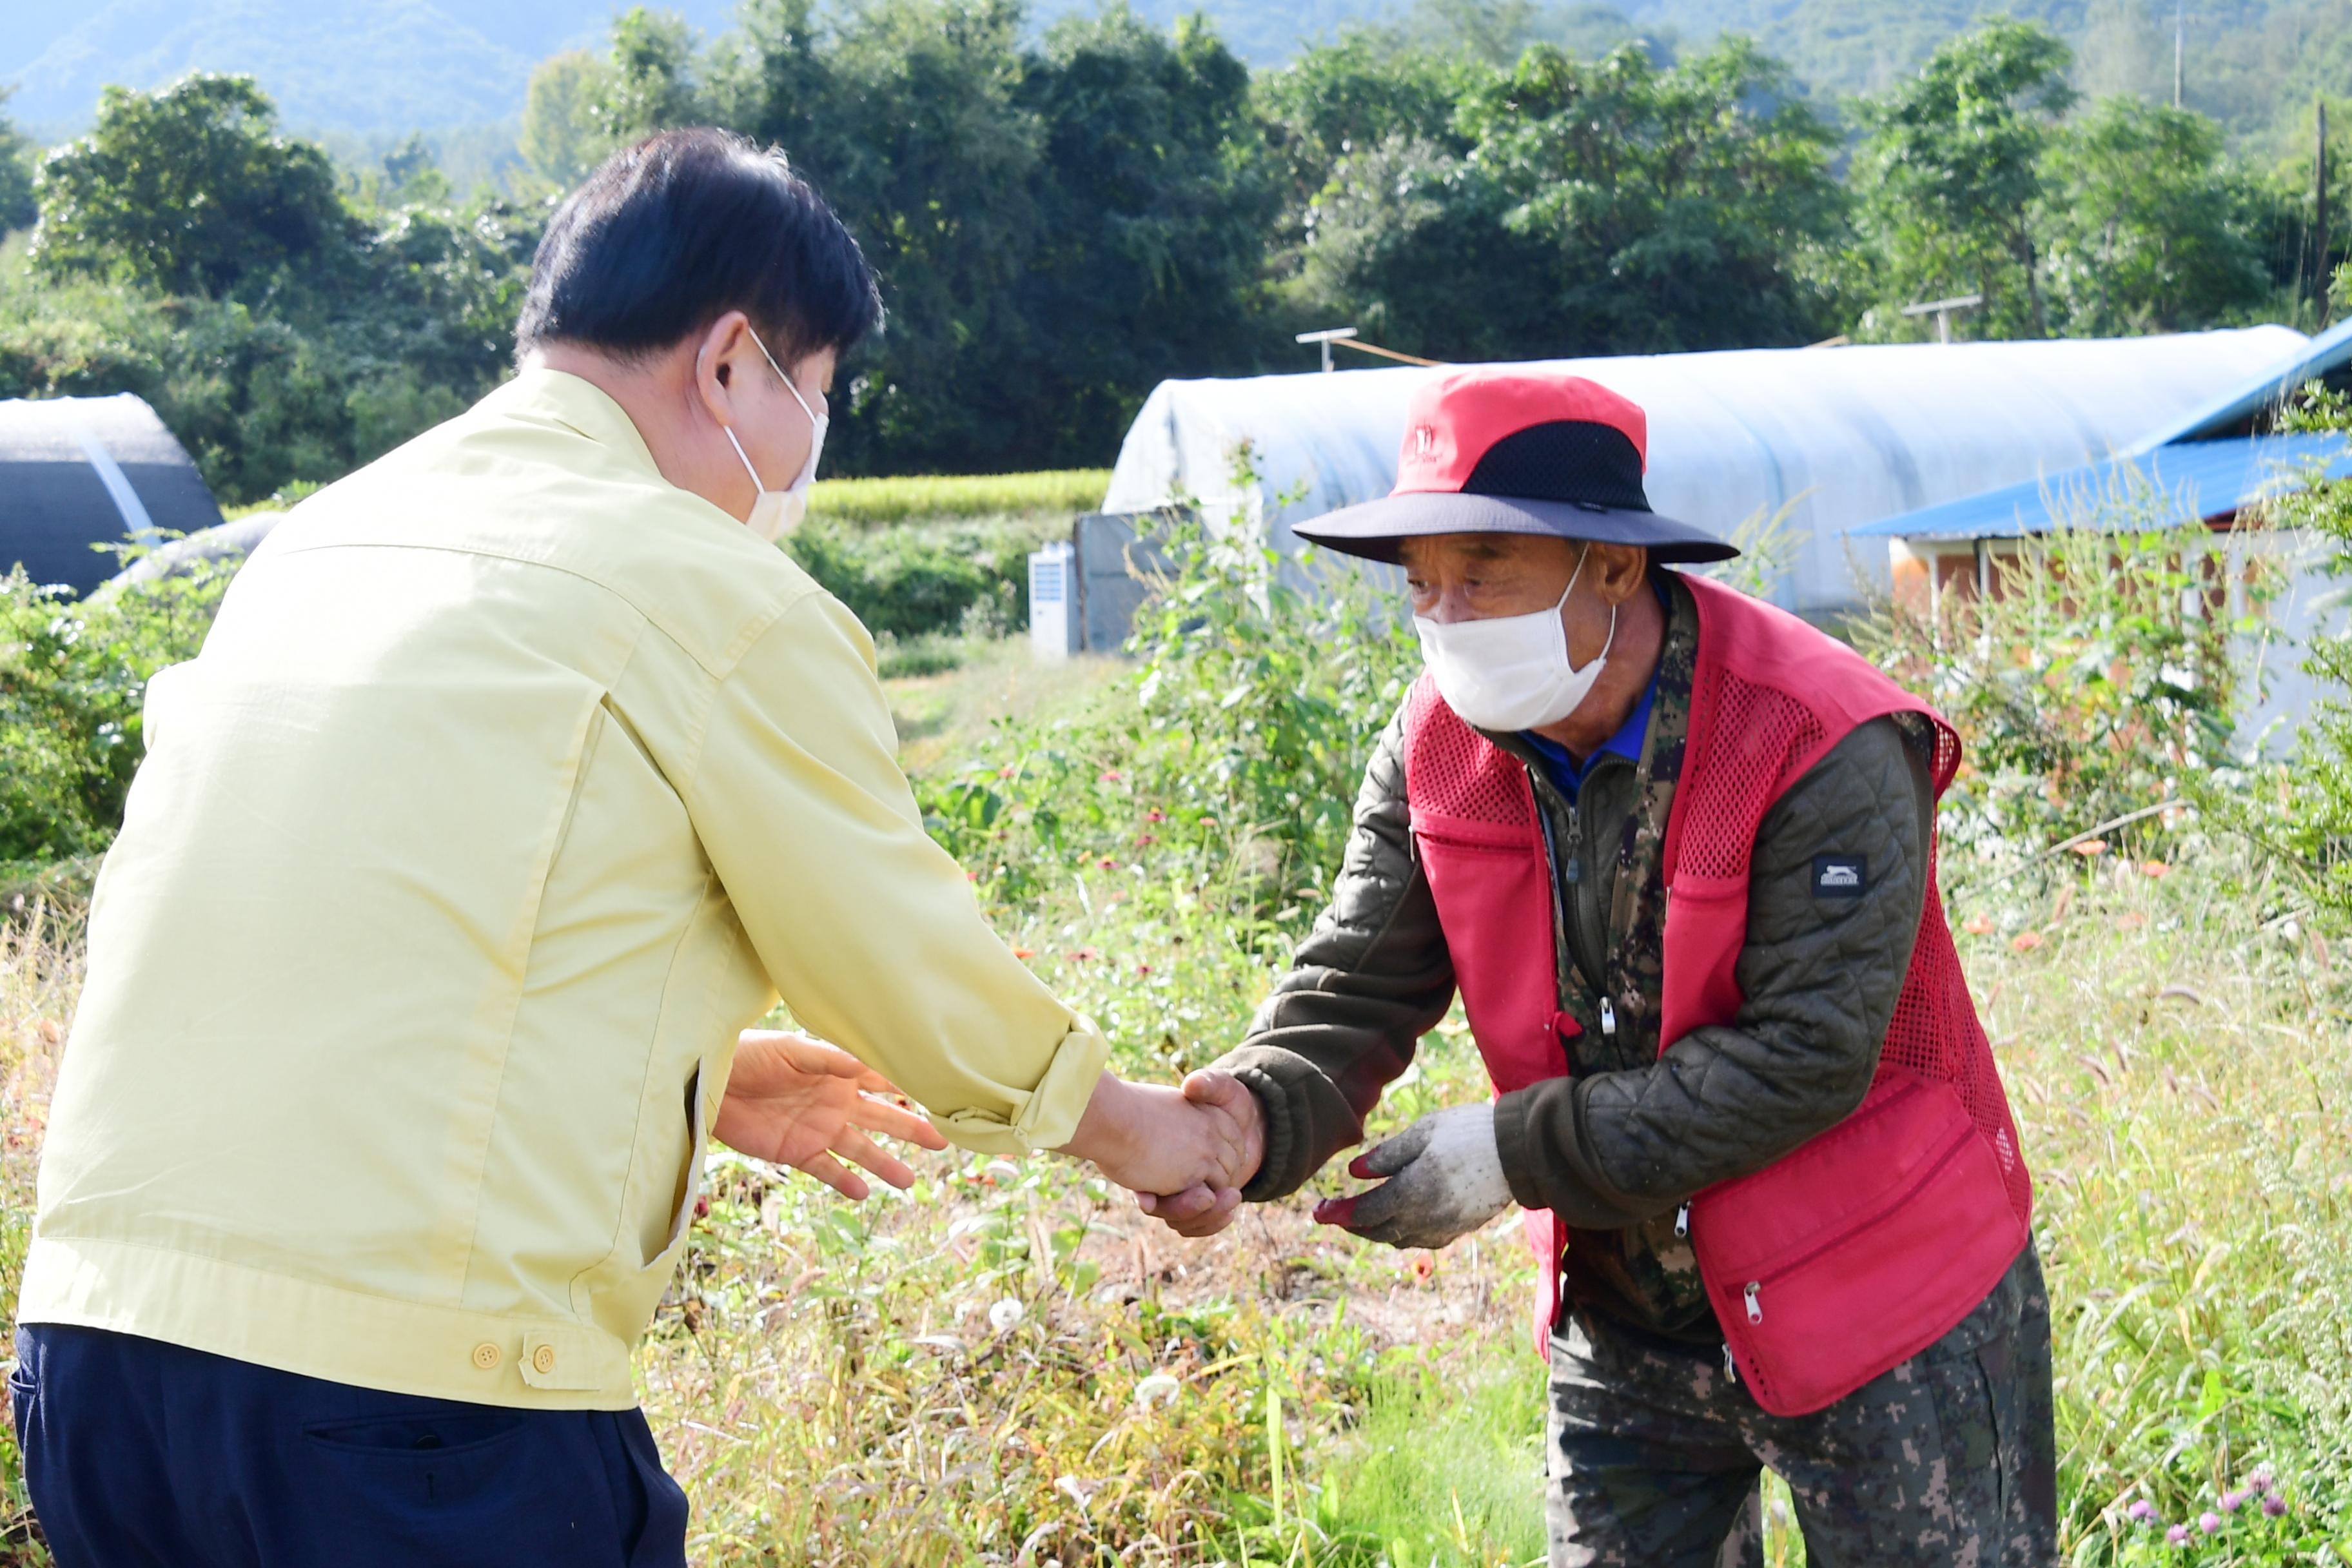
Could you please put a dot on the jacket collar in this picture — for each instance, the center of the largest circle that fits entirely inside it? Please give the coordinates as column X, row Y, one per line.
column 579, row 405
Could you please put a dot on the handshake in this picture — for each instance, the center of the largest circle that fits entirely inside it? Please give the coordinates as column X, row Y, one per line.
column 1185, row 1152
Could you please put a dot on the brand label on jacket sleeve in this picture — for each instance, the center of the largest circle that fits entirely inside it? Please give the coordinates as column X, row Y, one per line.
column 1840, row 876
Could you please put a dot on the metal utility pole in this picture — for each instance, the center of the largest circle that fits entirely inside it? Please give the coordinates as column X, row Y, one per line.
column 2319, row 212
column 1942, row 310
column 1326, row 337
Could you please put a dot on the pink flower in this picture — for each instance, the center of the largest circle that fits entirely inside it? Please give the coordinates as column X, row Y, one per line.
column 2232, row 1501
column 2208, row 1521
column 2176, row 1536
column 1111, row 775
column 2273, row 1505
column 2142, row 1509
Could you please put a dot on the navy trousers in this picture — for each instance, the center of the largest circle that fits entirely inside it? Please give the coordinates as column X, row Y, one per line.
column 145, row 1455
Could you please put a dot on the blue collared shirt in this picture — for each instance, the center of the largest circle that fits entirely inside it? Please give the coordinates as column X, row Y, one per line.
column 1565, row 774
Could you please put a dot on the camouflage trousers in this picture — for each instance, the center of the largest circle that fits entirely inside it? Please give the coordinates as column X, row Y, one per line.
column 1655, row 1456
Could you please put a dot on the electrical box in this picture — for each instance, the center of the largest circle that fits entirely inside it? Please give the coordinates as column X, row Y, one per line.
column 1052, row 602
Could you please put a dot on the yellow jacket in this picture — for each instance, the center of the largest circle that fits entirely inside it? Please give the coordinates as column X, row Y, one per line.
column 511, row 783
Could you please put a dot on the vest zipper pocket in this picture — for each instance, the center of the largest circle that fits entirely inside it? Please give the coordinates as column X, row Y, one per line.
column 1911, row 1190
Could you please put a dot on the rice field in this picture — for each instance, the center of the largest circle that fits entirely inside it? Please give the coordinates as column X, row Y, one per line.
column 874, row 502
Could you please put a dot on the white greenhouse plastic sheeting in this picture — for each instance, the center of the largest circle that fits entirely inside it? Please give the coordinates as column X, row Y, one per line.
column 1849, row 434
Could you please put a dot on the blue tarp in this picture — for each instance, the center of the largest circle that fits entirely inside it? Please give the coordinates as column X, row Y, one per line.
column 2189, row 481
column 2233, row 408
column 2195, row 468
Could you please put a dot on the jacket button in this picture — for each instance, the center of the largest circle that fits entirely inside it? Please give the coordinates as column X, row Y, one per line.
column 543, row 1359
column 486, row 1356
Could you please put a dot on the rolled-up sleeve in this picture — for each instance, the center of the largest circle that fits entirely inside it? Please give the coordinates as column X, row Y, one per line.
column 869, row 929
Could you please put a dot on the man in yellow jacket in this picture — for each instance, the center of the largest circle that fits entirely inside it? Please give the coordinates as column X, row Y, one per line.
column 519, row 776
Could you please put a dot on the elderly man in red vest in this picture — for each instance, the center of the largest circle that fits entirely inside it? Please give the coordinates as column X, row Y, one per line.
column 1676, row 850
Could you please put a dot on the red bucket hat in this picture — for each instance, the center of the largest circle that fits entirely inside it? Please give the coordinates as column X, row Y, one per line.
column 1514, row 449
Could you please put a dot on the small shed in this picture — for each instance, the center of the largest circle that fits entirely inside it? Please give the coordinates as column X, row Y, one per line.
column 2214, row 465
column 80, row 472
column 1839, row 436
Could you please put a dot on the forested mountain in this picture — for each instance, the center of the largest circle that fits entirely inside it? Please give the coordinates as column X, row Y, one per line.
column 385, row 67
column 362, row 66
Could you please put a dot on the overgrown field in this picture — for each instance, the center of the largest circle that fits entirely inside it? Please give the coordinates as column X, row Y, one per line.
column 1010, row 1365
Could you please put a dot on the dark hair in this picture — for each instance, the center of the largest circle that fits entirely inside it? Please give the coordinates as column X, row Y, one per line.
column 670, row 235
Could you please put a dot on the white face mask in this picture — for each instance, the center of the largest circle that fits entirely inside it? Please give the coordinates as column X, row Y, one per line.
column 777, row 512
column 1511, row 672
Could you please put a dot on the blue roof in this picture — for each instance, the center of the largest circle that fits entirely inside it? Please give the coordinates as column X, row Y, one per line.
column 2195, row 469
column 2187, row 482
column 2316, row 358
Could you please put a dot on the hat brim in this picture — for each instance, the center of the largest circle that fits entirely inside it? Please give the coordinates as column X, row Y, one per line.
column 1375, row 529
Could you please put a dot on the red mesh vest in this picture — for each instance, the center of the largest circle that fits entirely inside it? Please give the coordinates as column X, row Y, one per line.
column 1867, row 1244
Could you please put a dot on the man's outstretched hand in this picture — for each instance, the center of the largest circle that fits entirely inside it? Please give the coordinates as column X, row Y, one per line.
column 1200, row 1209
column 799, row 1102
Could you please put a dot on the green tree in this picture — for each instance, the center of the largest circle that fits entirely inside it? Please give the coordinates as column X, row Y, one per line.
column 1153, row 204
column 412, row 176
column 1057, row 228
column 1334, row 101
column 1589, row 206
column 190, row 190
column 312, row 358
column 1497, row 32
column 17, row 209
column 932, row 157
column 561, row 139
column 1949, row 177
column 2150, row 228
column 650, row 84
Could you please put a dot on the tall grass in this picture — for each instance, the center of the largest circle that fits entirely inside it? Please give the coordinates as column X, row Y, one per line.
column 2093, row 682
column 2174, row 1044
column 1011, row 1364
column 41, row 976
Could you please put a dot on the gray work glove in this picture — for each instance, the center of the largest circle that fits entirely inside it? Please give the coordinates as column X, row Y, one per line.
column 1445, row 1179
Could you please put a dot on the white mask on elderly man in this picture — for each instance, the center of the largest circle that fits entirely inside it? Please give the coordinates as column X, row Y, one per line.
column 1511, row 672
column 777, row 512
